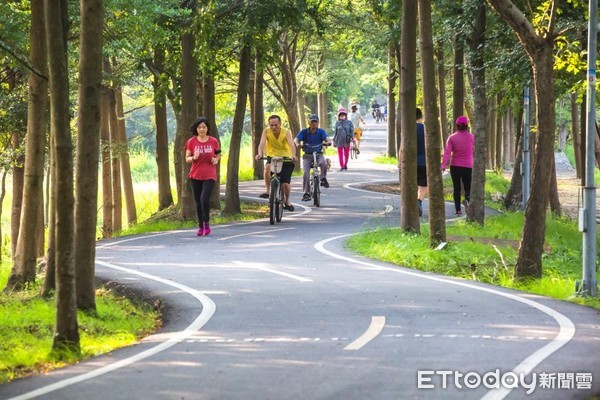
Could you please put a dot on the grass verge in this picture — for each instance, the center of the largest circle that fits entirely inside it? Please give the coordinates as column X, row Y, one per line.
column 489, row 260
column 27, row 328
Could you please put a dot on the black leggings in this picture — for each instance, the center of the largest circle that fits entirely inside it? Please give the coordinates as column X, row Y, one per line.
column 458, row 174
column 202, row 191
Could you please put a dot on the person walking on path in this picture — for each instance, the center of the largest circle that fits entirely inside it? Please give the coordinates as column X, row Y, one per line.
column 278, row 142
column 203, row 152
column 421, row 162
column 356, row 119
column 344, row 135
column 459, row 151
column 313, row 139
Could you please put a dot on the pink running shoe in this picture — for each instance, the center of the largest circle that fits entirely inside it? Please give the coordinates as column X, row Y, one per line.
column 200, row 232
column 206, row 229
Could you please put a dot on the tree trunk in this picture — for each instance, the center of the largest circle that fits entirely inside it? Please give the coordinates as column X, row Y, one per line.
column 529, row 262
column 409, row 215
column 441, row 71
column 165, row 197
column 18, row 178
column 208, row 110
column 107, row 196
column 553, row 198
column 258, row 116
column 391, row 100
column 115, row 155
column 67, row 333
column 476, row 208
column 232, row 194
column 88, row 144
column 492, row 125
column 188, row 116
column 499, row 136
column 576, row 134
column 25, row 256
column 458, row 91
column 124, row 164
column 2, row 195
column 515, row 191
column 321, row 94
column 50, row 275
column 433, row 136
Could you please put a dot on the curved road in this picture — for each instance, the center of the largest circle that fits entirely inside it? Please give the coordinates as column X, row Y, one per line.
column 285, row 312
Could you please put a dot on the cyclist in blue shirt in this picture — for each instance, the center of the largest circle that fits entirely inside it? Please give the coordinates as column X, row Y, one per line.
column 312, row 138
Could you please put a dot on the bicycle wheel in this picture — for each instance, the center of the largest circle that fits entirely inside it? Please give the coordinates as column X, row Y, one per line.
column 273, row 203
column 279, row 207
column 316, row 192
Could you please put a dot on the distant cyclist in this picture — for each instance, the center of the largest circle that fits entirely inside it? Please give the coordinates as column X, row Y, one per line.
column 312, row 139
column 278, row 143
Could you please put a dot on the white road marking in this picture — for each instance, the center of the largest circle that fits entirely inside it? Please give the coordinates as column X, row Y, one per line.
column 377, row 324
column 208, row 309
column 566, row 326
column 255, row 233
column 273, row 271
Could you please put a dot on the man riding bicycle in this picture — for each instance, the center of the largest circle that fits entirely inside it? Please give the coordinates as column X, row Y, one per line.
column 313, row 139
column 278, row 143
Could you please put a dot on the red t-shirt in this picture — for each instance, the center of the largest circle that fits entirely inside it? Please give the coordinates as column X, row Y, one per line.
column 202, row 169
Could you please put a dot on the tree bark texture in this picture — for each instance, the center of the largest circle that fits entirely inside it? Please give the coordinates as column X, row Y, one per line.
column 576, row 134
column 515, row 191
column 391, row 102
column 232, row 194
column 165, row 197
column 188, row 116
column 409, row 214
column 25, row 256
column 107, row 197
column 125, row 166
column 476, row 208
column 258, row 116
column 88, row 144
column 458, row 91
column 433, row 136
column 67, row 333
column 441, row 72
column 115, row 155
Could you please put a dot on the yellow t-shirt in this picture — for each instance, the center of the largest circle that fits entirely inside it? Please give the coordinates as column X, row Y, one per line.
column 278, row 146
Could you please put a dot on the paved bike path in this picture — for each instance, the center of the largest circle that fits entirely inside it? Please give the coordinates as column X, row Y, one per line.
column 285, row 312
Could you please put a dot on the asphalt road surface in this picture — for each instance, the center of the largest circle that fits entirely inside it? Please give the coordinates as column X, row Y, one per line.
column 284, row 311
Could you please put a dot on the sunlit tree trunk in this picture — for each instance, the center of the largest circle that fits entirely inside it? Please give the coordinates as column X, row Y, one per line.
column 186, row 119
column 232, row 194
column 67, row 332
column 458, row 91
column 107, row 195
column 25, row 256
column 476, row 208
column 437, row 211
column 409, row 215
column 441, row 72
column 540, row 51
column 165, row 197
column 115, row 171
column 125, row 167
column 88, row 144
column 258, row 115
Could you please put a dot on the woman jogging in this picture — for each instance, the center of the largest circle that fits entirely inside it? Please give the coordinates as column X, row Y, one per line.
column 459, row 151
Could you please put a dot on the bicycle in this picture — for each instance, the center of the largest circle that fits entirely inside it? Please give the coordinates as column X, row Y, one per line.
column 315, row 180
column 276, row 199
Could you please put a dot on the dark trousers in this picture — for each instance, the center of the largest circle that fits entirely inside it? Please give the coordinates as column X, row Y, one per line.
column 202, row 191
column 459, row 174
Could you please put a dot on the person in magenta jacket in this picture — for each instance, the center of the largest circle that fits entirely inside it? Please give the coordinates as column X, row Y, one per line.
column 459, row 151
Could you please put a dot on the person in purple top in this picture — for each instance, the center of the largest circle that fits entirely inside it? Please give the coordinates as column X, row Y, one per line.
column 459, row 151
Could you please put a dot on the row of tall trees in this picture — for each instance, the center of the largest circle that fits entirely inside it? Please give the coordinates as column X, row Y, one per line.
column 282, row 56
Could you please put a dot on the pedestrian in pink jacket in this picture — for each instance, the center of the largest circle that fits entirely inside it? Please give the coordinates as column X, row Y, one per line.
column 459, row 151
